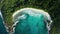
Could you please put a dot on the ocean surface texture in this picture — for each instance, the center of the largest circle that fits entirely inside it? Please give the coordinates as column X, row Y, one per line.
column 2, row 27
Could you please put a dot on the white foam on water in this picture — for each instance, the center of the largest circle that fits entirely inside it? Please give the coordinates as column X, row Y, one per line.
column 28, row 10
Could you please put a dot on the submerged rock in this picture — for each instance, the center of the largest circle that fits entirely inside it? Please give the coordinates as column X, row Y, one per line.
column 31, row 21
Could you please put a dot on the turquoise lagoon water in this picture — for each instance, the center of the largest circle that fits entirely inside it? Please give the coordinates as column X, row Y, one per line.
column 32, row 24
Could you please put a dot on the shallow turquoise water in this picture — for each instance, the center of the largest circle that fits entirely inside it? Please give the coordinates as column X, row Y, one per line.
column 31, row 25
column 2, row 27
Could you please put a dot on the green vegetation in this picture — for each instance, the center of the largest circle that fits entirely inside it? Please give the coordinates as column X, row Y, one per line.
column 8, row 7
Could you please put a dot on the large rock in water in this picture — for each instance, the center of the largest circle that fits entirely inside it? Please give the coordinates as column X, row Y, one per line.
column 2, row 27
column 30, row 22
